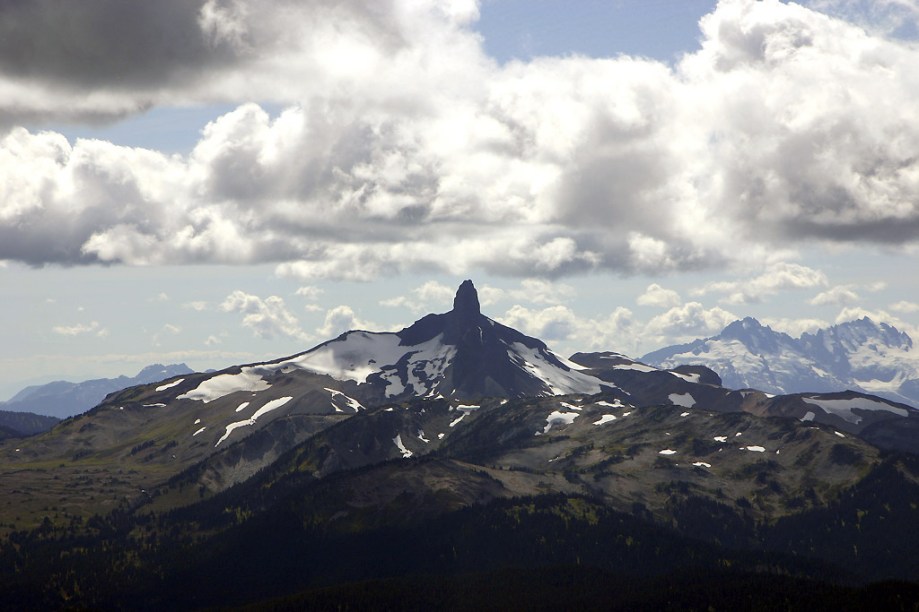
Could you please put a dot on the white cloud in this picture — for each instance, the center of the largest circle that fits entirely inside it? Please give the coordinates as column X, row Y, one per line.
column 687, row 322
column 549, row 324
column 167, row 329
column 197, row 306
column 786, row 128
column 309, row 292
column 80, row 329
column 267, row 318
column 489, row 295
column 341, row 319
column 541, row 291
column 781, row 276
column 839, row 295
column 424, row 298
column 561, row 328
column 655, row 295
column 905, row 307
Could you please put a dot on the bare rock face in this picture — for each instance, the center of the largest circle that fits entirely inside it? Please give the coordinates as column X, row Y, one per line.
column 466, row 302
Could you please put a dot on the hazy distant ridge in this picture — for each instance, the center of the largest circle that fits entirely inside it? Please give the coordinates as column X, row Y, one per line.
column 64, row 399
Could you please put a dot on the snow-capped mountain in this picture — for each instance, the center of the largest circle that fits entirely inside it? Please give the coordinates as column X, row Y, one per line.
column 859, row 355
column 461, row 354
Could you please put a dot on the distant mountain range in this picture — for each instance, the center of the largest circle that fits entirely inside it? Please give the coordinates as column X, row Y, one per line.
column 62, row 399
column 858, row 355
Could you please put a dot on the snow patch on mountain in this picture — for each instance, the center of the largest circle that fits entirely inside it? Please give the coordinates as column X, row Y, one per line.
column 685, row 400
column 693, row 378
column 844, row 407
column 224, row 384
column 354, row 356
column 268, row 407
column 398, row 442
column 558, row 418
column 638, row 367
column 425, row 367
column 350, row 401
column 558, row 381
column 170, row 385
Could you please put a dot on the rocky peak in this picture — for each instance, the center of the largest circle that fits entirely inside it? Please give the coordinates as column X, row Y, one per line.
column 743, row 329
column 755, row 336
column 466, row 302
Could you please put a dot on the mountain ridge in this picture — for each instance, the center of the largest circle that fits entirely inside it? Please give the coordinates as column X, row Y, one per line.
column 860, row 355
column 62, row 399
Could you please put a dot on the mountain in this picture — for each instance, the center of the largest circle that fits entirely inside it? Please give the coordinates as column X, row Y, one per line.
column 62, row 399
column 860, row 355
column 20, row 424
column 461, row 354
column 390, row 467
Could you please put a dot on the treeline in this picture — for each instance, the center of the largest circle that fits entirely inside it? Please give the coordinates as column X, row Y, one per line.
column 122, row 564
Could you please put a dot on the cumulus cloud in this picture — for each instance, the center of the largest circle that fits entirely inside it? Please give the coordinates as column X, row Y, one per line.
column 839, row 296
column 81, row 329
column 102, row 59
column 167, row 329
column 549, row 324
column 541, row 291
column 655, row 295
column 341, row 319
column 309, row 292
column 787, row 127
column 423, row 298
column 559, row 326
column 905, row 306
column 778, row 277
column 687, row 322
column 267, row 318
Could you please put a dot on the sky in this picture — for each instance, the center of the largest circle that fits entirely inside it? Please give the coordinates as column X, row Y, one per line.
column 219, row 182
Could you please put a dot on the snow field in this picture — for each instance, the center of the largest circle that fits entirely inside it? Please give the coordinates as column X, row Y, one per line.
column 558, row 418
column 398, row 442
column 268, row 407
column 224, row 384
column 170, row 385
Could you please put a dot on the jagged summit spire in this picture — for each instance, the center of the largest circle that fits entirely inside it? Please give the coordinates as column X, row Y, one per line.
column 466, row 302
